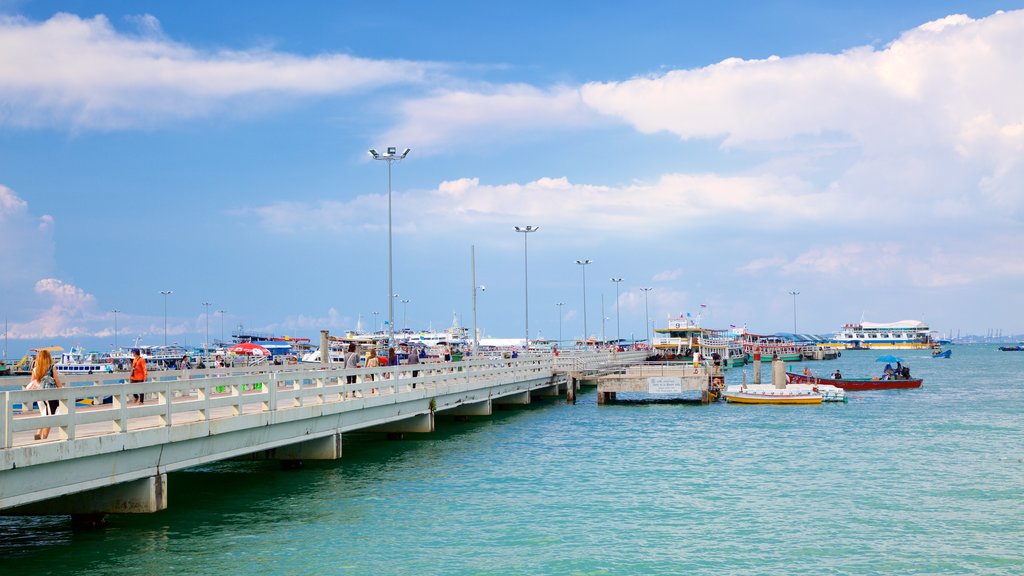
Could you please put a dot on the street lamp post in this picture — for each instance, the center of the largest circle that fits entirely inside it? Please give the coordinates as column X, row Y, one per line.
column 405, row 314
column 647, row 315
column 390, row 157
column 794, row 294
column 166, row 293
column 583, row 266
column 115, row 311
column 526, row 281
column 222, row 313
column 618, row 338
column 559, row 304
column 375, row 322
column 206, row 343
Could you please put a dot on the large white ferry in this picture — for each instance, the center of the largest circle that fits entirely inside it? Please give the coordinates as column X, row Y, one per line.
column 902, row 335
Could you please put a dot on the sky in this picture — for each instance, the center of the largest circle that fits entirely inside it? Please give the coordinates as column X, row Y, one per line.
column 867, row 155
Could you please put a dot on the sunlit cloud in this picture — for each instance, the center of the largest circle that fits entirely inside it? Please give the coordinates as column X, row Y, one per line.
column 84, row 73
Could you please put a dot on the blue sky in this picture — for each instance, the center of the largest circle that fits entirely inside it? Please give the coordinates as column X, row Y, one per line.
column 867, row 154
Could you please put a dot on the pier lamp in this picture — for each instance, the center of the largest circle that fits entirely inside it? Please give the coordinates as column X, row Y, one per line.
column 794, row 294
column 559, row 304
column 375, row 322
column 166, row 293
column 526, row 281
column 647, row 315
column 405, row 314
column 115, row 311
column 583, row 266
column 618, row 339
column 206, row 343
column 390, row 157
column 222, row 313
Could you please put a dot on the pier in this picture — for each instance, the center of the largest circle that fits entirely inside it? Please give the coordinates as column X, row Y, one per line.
column 659, row 379
column 114, row 457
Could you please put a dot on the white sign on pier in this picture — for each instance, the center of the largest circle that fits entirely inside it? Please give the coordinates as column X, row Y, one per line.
column 664, row 385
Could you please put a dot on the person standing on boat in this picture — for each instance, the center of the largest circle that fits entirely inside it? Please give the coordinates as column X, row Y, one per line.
column 837, row 375
column 139, row 374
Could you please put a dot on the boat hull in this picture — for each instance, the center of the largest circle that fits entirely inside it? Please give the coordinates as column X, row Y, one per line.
column 855, row 383
column 745, row 398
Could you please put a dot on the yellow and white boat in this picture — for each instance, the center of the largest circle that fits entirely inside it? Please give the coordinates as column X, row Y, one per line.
column 791, row 394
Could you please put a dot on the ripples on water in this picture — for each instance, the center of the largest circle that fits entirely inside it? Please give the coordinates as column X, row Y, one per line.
column 894, row 482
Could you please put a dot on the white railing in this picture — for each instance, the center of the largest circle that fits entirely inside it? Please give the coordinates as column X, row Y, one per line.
column 191, row 396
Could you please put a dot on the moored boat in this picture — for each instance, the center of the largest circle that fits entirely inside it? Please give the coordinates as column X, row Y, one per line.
column 855, row 383
column 791, row 394
column 942, row 353
column 902, row 335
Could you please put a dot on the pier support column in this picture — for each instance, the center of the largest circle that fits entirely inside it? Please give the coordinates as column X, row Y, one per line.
column 472, row 409
column 547, row 391
column 325, row 347
column 326, row 448
column 778, row 373
column 570, row 389
column 517, row 399
column 421, row 423
column 135, row 497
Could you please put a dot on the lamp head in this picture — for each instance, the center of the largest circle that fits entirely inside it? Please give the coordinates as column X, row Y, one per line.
column 392, row 150
column 374, row 153
column 406, row 153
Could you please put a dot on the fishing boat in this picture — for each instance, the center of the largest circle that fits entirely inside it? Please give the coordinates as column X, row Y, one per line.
column 854, row 383
column 791, row 394
column 683, row 338
column 902, row 335
column 773, row 348
column 941, row 353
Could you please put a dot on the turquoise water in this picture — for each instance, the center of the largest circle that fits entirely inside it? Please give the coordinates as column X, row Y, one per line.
column 927, row 481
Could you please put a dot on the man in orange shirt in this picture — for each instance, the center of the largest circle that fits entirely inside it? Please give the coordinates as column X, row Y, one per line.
column 139, row 374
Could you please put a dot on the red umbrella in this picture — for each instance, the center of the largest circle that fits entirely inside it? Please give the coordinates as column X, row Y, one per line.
column 249, row 349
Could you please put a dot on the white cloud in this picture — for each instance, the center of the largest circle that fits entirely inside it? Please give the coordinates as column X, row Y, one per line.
column 71, row 308
column 84, row 73
column 27, row 246
column 442, row 120
column 674, row 201
column 668, row 275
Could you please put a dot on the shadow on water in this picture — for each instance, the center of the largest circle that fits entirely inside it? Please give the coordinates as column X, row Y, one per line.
column 213, row 500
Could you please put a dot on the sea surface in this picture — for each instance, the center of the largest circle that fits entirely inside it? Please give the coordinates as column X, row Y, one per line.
column 927, row 481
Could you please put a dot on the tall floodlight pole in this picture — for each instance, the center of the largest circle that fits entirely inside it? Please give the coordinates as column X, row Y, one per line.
column 794, row 294
column 583, row 266
column 166, row 293
column 559, row 304
column 647, row 315
column 222, row 313
column 375, row 322
column 390, row 157
column 206, row 343
column 526, row 281
column 405, row 314
column 115, row 311
column 618, row 338
column 472, row 273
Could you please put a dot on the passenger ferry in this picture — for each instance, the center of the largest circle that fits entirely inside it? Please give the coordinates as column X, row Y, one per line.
column 902, row 335
column 684, row 336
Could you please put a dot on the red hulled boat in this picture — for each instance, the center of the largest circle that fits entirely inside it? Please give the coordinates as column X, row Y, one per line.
column 855, row 383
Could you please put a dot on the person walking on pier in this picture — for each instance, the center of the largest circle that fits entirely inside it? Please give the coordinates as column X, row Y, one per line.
column 412, row 358
column 139, row 374
column 45, row 376
column 351, row 362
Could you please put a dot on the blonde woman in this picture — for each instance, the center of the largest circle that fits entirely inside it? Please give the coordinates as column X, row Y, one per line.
column 44, row 375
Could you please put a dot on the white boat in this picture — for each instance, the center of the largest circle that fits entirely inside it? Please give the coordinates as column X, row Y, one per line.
column 902, row 335
column 791, row 394
column 77, row 361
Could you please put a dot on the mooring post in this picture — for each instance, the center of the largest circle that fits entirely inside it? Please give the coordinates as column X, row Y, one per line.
column 757, row 367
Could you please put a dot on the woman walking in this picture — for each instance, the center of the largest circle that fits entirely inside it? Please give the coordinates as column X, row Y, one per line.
column 45, row 376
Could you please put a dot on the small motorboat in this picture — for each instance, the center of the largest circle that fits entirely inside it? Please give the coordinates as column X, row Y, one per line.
column 791, row 394
column 855, row 383
column 942, row 353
